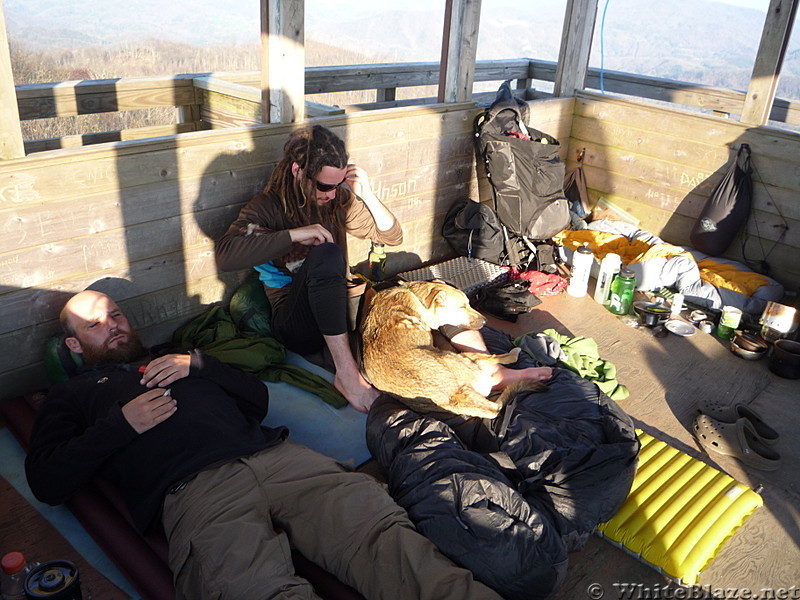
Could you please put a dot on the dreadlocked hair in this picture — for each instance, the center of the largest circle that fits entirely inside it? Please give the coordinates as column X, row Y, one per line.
column 312, row 148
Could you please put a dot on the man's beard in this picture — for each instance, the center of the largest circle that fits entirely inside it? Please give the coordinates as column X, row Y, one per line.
column 124, row 352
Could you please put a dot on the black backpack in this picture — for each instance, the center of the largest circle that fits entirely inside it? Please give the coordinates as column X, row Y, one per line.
column 472, row 229
column 523, row 167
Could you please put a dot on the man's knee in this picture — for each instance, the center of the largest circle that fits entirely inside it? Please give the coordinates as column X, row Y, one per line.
column 327, row 258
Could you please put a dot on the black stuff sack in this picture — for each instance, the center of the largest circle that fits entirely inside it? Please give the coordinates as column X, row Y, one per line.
column 473, row 230
column 727, row 208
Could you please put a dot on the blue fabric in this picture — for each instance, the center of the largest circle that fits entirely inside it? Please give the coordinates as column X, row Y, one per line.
column 338, row 433
column 271, row 276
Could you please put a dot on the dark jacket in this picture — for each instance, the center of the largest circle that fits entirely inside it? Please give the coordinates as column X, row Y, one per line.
column 80, row 432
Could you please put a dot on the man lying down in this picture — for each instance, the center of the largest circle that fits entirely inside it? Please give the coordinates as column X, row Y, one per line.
column 180, row 436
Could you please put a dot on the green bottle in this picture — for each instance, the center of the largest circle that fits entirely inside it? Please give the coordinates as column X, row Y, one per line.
column 377, row 260
column 622, row 288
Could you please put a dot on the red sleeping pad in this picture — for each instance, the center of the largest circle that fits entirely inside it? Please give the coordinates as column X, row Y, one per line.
column 142, row 559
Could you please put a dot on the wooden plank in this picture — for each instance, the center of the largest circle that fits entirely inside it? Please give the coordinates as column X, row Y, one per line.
column 285, row 72
column 49, row 222
column 457, row 70
column 77, row 141
column 77, row 256
column 71, row 100
column 10, row 133
column 769, row 60
column 576, row 44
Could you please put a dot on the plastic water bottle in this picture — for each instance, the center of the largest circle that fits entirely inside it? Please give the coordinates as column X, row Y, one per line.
column 377, row 261
column 622, row 288
column 582, row 261
column 15, row 570
column 677, row 306
column 609, row 267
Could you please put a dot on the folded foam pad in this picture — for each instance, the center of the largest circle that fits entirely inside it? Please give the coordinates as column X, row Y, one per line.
column 680, row 511
column 467, row 274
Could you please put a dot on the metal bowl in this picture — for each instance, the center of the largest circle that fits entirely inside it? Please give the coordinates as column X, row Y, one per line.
column 651, row 313
column 749, row 341
column 746, row 354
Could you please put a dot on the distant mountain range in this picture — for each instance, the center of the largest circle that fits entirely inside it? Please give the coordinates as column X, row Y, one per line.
column 678, row 39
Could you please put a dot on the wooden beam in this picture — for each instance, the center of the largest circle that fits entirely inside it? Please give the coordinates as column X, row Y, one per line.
column 767, row 68
column 282, row 60
column 11, row 145
column 459, row 48
column 576, row 45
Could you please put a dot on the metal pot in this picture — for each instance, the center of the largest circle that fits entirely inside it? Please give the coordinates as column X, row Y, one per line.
column 785, row 359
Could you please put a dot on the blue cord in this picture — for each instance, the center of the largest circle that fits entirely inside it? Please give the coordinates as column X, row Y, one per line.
column 602, row 46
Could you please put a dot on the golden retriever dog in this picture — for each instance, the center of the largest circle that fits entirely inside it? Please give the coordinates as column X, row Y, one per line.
column 399, row 356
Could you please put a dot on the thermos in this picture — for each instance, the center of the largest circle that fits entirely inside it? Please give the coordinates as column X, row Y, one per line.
column 609, row 267
column 622, row 288
column 582, row 261
column 54, row 580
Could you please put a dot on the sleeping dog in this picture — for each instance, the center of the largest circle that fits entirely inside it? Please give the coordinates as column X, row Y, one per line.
column 400, row 358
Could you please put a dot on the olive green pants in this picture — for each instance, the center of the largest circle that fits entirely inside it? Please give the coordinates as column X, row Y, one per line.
column 231, row 528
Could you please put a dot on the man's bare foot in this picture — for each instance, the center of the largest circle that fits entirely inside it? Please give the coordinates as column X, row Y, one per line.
column 505, row 376
column 357, row 391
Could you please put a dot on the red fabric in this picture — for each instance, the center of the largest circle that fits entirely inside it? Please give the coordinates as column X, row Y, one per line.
column 545, row 284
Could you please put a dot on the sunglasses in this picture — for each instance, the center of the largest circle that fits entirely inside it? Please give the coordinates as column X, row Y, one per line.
column 328, row 187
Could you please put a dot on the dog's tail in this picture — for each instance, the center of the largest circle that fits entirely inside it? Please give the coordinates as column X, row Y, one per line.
column 527, row 385
column 507, row 400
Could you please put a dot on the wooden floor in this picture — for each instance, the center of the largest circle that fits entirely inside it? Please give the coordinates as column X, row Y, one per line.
column 666, row 377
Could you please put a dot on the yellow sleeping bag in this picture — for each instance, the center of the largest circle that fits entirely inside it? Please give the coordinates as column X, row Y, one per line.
column 680, row 511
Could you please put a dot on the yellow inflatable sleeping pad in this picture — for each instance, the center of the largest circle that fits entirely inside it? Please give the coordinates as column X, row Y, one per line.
column 680, row 511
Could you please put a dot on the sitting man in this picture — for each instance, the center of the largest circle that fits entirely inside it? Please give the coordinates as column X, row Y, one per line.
column 180, row 436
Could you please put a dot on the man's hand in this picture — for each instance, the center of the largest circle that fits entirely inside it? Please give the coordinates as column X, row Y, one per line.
column 149, row 409
column 167, row 369
column 310, row 235
column 358, row 180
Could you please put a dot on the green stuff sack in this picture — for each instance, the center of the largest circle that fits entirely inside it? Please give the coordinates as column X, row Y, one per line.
column 250, row 308
column 60, row 363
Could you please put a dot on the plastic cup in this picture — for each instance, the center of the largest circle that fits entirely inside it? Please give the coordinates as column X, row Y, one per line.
column 728, row 321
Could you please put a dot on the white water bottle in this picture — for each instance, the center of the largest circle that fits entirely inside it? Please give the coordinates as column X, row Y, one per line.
column 609, row 266
column 582, row 261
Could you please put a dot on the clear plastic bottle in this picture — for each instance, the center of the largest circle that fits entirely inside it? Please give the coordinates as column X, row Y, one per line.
column 622, row 288
column 609, row 267
column 582, row 261
column 677, row 305
column 377, row 261
column 15, row 570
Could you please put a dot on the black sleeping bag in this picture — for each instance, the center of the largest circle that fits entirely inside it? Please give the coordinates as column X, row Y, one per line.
column 508, row 499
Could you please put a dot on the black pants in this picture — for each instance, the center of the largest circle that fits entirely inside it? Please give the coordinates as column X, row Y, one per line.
column 317, row 301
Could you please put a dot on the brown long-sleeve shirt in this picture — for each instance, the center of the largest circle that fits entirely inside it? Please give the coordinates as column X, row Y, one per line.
column 260, row 234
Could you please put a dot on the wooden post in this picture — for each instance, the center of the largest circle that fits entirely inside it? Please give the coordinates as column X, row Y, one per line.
column 11, row 145
column 576, row 45
column 282, row 61
column 767, row 68
column 459, row 48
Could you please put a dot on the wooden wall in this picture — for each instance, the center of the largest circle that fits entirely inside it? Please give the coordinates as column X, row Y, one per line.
column 137, row 219
column 661, row 164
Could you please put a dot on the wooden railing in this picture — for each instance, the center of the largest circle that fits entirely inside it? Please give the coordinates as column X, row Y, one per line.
column 212, row 100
